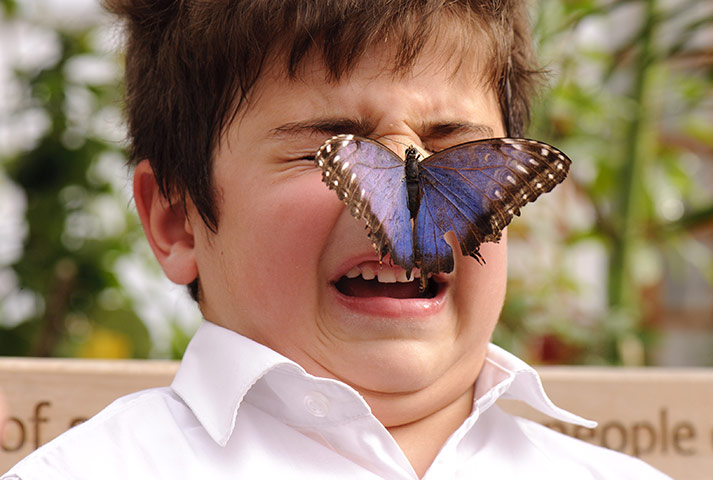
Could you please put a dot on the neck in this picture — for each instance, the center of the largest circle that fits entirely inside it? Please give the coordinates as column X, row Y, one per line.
column 422, row 439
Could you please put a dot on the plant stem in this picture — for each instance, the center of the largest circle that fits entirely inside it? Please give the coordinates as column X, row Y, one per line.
column 620, row 285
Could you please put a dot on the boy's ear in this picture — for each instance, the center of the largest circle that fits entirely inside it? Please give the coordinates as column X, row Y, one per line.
column 166, row 226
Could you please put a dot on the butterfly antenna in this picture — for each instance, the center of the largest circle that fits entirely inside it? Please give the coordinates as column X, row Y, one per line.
column 407, row 145
column 379, row 137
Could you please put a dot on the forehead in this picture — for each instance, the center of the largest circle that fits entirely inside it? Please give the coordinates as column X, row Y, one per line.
column 436, row 98
column 441, row 67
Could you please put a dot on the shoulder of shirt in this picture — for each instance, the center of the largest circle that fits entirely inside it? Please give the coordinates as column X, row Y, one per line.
column 601, row 463
column 129, row 417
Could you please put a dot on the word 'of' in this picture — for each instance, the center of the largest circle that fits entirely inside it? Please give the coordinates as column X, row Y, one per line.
column 18, row 434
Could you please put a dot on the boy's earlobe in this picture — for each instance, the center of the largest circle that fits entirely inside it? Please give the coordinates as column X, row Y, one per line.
column 166, row 226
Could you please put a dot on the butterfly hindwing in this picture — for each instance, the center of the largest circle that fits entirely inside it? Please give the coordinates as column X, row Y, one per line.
column 474, row 189
column 369, row 179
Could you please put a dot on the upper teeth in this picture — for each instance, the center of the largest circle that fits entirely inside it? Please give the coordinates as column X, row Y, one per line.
column 384, row 273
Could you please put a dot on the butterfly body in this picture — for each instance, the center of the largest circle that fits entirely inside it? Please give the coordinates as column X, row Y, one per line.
column 472, row 189
column 412, row 172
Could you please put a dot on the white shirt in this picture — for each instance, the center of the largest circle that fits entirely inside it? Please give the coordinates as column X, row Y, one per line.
column 238, row 410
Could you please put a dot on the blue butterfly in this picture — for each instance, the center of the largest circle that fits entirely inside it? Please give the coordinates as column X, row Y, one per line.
column 472, row 189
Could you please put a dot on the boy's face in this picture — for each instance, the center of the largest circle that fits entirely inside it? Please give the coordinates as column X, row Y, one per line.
column 285, row 240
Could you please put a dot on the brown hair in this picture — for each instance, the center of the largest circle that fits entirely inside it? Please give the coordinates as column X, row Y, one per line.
column 191, row 64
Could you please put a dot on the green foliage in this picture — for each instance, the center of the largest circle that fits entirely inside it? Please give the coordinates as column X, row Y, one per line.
column 72, row 240
column 8, row 7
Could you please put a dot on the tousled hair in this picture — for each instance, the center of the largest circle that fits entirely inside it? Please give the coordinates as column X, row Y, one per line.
column 191, row 65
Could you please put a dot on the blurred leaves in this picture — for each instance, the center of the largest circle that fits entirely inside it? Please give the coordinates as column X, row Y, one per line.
column 76, row 214
column 8, row 7
column 631, row 102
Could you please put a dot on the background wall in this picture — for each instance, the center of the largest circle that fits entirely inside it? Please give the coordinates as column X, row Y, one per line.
column 614, row 267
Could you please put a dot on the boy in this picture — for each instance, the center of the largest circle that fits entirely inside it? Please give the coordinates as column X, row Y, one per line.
column 299, row 371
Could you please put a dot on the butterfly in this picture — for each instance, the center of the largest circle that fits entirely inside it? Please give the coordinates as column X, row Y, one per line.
column 472, row 189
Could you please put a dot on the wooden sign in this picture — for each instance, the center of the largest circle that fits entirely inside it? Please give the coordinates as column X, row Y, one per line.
column 663, row 416
column 45, row 397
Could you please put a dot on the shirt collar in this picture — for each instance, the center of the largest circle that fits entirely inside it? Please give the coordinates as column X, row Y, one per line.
column 505, row 376
column 221, row 370
column 220, row 367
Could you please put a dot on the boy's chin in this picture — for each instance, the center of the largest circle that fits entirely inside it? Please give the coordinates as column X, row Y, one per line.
column 406, row 377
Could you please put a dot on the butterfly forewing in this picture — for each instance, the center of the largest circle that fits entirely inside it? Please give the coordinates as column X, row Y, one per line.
column 369, row 179
column 475, row 188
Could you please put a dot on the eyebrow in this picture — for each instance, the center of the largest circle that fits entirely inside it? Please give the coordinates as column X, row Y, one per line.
column 330, row 126
column 437, row 130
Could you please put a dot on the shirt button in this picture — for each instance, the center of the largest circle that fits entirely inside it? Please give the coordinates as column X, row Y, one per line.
column 316, row 404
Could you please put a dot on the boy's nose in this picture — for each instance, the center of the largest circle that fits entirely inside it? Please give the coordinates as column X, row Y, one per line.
column 397, row 134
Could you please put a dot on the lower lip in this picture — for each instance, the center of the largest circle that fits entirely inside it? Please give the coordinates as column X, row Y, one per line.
column 393, row 307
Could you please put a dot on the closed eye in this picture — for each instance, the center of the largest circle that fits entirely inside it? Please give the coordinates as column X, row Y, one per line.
column 300, row 155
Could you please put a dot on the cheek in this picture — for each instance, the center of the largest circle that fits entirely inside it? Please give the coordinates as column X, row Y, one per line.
column 481, row 288
column 284, row 238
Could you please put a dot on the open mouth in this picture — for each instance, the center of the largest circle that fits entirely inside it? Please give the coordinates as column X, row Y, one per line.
column 370, row 279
